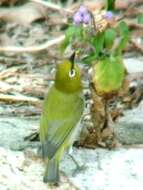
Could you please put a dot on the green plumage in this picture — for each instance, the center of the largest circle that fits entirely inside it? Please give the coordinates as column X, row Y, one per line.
column 63, row 107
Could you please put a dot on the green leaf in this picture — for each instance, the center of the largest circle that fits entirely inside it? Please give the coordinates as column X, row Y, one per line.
column 110, row 35
column 78, row 32
column 64, row 44
column 122, row 44
column 98, row 42
column 140, row 19
column 123, row 28
column 68, row 35
column 71, row 33
column 90, row 58
column 109, row 75
column 124, row 37
column 110, row 5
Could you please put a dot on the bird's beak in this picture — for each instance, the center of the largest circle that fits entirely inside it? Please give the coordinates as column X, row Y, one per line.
column 72, row 58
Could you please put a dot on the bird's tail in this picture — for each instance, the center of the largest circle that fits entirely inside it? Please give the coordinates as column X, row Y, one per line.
column 52, row 171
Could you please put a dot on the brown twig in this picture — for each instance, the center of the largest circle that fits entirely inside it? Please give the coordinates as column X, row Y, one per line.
column 33, row 49
column 8, row 72
column 52, row 6
column 19, row 99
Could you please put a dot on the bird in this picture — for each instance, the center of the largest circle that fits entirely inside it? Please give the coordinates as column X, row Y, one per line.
column 62, row 110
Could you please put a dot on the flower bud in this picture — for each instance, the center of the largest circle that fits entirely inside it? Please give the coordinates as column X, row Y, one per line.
column 83, row 10
column 108, row 15
column 86, row 18
column 77, row 18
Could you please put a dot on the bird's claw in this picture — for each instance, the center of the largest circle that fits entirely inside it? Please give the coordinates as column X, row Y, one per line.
column 79, row 169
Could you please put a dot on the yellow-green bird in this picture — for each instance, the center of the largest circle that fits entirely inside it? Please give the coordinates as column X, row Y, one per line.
column 62, row 110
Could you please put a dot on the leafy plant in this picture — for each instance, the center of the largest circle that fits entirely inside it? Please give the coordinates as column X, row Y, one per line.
column 100, row 43
column 109, row 75
column 100, row 40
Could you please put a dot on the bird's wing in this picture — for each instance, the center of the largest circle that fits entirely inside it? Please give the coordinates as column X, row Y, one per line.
column 59, row 118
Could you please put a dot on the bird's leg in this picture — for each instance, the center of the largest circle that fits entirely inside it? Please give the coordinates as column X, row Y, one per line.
column 34, row 136
column 75, row 162
column 79, row 168
column 39, row 151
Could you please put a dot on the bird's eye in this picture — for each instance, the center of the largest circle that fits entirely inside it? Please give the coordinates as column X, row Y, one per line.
column 72, row 73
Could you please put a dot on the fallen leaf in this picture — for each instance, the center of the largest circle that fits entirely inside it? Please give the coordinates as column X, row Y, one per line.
column 24, row 14
column 8, row 2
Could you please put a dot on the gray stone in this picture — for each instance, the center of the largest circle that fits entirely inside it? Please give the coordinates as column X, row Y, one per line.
column 119, row 169
column 14, row 129
column 129, row 128
column 134, row 64
column 19, row 171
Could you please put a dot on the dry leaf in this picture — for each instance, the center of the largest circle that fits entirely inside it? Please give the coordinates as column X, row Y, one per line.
column 23, row 15
column 8, row 2
column 5, row 40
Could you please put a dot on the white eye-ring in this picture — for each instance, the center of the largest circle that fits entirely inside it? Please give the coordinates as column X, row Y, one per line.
column 72, row 73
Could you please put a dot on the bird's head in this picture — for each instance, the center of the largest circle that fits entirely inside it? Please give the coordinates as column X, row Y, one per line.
column 68, row 76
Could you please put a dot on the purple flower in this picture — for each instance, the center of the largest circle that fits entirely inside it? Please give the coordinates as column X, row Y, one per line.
column 82, row 10
column 82, row 16
column 77, row 18
column 86, row 18
column 108, row 15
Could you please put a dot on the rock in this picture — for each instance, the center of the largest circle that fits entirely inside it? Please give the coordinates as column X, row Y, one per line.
column 129, row 128
column 14, row 129
column 19, row 172
column 134, row 64
column 118, row 169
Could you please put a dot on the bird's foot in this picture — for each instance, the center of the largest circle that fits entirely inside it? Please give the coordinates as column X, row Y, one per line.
column 39, row 151
column 51, row 184
column 34, row 136
column 79, row 169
